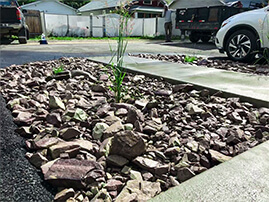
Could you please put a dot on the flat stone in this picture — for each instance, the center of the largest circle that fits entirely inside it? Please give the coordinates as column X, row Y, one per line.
column 146, row 163
column 45, row 142
column 61, row 147
column 117, row 160
column 113, row 185
column 114, row 128
column 138, row 191
column 70, row 172
column 217, row 156
column 69, row 133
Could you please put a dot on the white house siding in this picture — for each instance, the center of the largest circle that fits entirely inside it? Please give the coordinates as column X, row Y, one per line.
column 50, row 7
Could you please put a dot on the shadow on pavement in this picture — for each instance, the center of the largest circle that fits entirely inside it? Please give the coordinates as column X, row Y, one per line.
column 199, row 45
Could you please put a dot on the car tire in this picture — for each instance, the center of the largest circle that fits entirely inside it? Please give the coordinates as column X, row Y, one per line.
column 205, row 39
column 242, row 46
column 22, row 36
column 194, row 38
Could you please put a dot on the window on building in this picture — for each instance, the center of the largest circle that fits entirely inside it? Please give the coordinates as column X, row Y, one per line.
column 149, row 2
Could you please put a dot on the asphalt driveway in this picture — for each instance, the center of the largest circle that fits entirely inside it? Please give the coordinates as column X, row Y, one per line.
column 19, row 54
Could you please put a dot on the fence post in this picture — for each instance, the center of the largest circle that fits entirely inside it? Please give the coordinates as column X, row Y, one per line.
column 91, row 25
column 104, row 26
column 156, row 31
column 143, row 27
column 43, row 23
column 67, row 31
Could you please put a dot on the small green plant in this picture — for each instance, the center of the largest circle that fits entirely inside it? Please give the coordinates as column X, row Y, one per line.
column 58, row 69
column 264, row 57
column 190, row 59
column 118, row 73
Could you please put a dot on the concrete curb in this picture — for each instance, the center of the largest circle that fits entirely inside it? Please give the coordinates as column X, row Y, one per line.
column 254, row 101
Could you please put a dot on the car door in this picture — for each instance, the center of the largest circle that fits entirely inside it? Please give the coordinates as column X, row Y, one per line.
column 266, row 29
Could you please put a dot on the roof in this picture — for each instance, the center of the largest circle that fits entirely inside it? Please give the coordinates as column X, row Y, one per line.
column 194, row 3
column 100, row 4
column 38, row 2
column 147, row 9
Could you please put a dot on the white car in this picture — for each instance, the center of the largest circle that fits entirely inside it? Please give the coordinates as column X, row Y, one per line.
column 242, row 35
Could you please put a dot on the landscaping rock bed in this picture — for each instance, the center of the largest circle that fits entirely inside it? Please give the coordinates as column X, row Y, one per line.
column 261, row 69
column 92, row 148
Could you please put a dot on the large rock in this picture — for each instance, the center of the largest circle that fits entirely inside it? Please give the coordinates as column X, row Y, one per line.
column 71, row 172
column 136, row 190
column 128, row 144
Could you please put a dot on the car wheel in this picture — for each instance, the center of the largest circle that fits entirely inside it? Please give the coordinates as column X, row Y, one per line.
column 205, row 39
column 194, row 38
column 241, row 46
column 22, row 36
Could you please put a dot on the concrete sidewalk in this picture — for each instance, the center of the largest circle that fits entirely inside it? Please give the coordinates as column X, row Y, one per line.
column 251, row 88
column 245, row 178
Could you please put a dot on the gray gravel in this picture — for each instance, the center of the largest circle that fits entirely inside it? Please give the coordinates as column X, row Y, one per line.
column 19, row 180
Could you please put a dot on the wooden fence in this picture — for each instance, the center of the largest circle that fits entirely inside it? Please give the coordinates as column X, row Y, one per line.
column 33, row 20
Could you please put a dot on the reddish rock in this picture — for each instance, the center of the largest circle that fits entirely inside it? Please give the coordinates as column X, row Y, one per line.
column 61, row 147
column 128, row 144
column 36, row 159
column 54, row 119
column 70, row 172
column 114, row 185
column 24, row 119
column 45, row 142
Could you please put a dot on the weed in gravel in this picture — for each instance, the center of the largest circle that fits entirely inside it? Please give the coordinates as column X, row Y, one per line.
column 190, row 59
column 118, row 54
column 58, row 69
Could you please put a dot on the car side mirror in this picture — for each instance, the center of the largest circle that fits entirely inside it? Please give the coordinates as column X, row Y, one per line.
column 24, row 11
